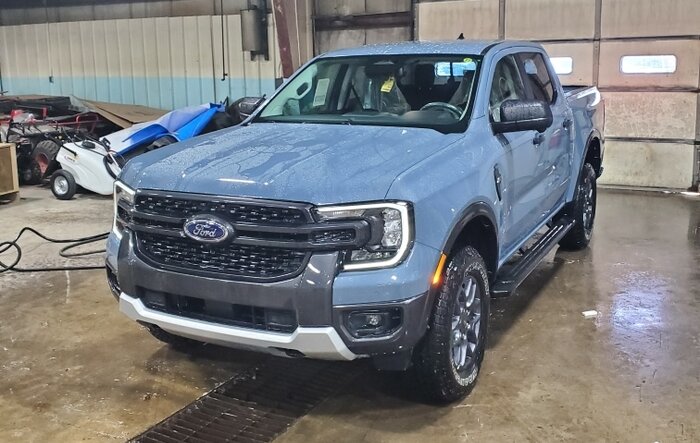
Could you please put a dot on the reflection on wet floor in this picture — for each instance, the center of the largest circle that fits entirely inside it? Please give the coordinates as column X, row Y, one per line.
column 73, row 368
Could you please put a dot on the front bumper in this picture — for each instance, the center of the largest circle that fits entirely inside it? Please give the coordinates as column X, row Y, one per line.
column 315, row 342
column 320, row 297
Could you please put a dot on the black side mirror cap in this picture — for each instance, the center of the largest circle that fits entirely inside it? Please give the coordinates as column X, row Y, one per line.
column 523, row 115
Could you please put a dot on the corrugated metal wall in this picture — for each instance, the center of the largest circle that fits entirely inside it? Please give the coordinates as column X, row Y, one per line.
column 25, row 12
column 653, row 120
column 328, row 40
column 165, row 62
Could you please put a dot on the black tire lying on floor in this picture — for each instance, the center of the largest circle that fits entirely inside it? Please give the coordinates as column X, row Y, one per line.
column 63, row 185
column 448, row 359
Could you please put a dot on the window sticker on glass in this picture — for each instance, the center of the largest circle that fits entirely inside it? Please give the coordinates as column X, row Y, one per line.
column 321, row 92
column 648, row 64
column 562, row 65
column 447, row 69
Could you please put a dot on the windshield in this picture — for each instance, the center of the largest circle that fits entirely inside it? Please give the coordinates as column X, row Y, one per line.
column 424, row 91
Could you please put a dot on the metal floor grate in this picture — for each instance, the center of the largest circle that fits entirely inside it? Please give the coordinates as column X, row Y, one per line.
column 256, row 406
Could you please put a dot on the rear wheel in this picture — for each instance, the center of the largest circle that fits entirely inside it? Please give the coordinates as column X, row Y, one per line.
column 583, row 211
column 63, row 185
column 30, row 173
column 44, row 153
column 448, row 360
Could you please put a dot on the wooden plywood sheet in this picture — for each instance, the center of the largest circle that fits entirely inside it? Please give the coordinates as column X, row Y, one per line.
column 8, row 169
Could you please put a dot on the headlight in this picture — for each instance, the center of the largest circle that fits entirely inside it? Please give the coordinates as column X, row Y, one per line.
column 390, row 237
column 123, row 202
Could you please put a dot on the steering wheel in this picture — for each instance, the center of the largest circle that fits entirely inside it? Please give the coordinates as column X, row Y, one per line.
column 452, row 109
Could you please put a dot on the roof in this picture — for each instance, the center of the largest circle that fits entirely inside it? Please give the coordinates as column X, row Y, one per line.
column 457, row 47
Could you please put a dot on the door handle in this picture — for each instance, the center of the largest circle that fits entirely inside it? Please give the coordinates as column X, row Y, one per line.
column 539, row 138
column 498, row 179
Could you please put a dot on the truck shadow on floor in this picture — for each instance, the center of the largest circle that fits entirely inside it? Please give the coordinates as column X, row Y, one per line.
column 364, row 390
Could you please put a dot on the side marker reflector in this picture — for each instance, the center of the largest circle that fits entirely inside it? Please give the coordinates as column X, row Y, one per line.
column 437, row 277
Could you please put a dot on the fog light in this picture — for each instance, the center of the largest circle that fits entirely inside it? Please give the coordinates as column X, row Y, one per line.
column 373, row 323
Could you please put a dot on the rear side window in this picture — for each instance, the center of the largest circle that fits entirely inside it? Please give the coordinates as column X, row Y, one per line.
column 537, row 76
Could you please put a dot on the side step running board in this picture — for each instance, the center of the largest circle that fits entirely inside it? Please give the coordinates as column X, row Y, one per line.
column 510, row 277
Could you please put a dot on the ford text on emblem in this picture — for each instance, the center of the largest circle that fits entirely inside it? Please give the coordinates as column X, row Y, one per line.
column 207, row 229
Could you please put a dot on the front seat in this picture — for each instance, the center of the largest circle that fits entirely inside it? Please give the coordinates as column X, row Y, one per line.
column 422, row 91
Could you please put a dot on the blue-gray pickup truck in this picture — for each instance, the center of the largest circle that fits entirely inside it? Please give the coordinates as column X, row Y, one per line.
column 371, row 207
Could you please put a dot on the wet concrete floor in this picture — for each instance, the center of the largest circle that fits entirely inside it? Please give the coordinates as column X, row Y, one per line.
column 72, row 368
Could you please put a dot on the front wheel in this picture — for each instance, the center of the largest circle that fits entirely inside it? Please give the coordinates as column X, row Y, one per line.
column 583, row 211
column 63, row 185
column 448, row 360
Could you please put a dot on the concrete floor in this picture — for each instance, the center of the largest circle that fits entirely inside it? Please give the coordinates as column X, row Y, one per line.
column 72, row 368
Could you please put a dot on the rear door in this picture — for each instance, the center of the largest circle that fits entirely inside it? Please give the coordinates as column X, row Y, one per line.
column 521, row 165
column 556, row 148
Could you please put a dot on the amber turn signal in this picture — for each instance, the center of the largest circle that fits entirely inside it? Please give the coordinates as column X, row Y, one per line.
column 437, row 277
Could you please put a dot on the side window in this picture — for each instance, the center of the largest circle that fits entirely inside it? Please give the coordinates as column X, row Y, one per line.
column 507, row 85
column 538, row 77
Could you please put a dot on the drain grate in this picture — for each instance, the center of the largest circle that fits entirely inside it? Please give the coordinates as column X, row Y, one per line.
column 257, row 406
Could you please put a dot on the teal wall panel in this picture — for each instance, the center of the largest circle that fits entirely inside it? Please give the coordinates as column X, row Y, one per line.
column 164, row 93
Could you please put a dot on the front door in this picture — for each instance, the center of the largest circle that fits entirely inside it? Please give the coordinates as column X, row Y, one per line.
column 522, row 163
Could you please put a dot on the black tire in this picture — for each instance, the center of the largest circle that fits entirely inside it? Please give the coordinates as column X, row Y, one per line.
column 436, row 369
column 30, row 173
column 175, row 341
column 582, row 209
column 63, row 185
column 44, row 153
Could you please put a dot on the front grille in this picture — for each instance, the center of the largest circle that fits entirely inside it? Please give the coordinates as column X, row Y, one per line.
column 233, row 212
column 336, row 236
column 230, row 259
column 269, row 240
column 255, row 317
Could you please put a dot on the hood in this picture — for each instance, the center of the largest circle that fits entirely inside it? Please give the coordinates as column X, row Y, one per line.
column 315, row 163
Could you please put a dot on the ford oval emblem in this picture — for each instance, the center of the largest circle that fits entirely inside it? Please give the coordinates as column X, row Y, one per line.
column 207, row 229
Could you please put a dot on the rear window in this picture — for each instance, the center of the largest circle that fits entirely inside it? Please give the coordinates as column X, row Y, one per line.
column 537, row 76
column 447, row 69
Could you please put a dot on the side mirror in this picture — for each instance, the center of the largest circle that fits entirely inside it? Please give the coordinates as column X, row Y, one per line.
column 523, row 115
column 243, row 107
column 249, row 104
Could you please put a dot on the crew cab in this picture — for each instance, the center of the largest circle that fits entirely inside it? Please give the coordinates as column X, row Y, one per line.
column 371, row 207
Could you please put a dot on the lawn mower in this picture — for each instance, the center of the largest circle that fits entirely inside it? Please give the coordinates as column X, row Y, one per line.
column 94, row 163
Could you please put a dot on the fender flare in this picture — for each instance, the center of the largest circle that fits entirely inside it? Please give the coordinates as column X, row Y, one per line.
column 593, row 135
column 479, row 208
